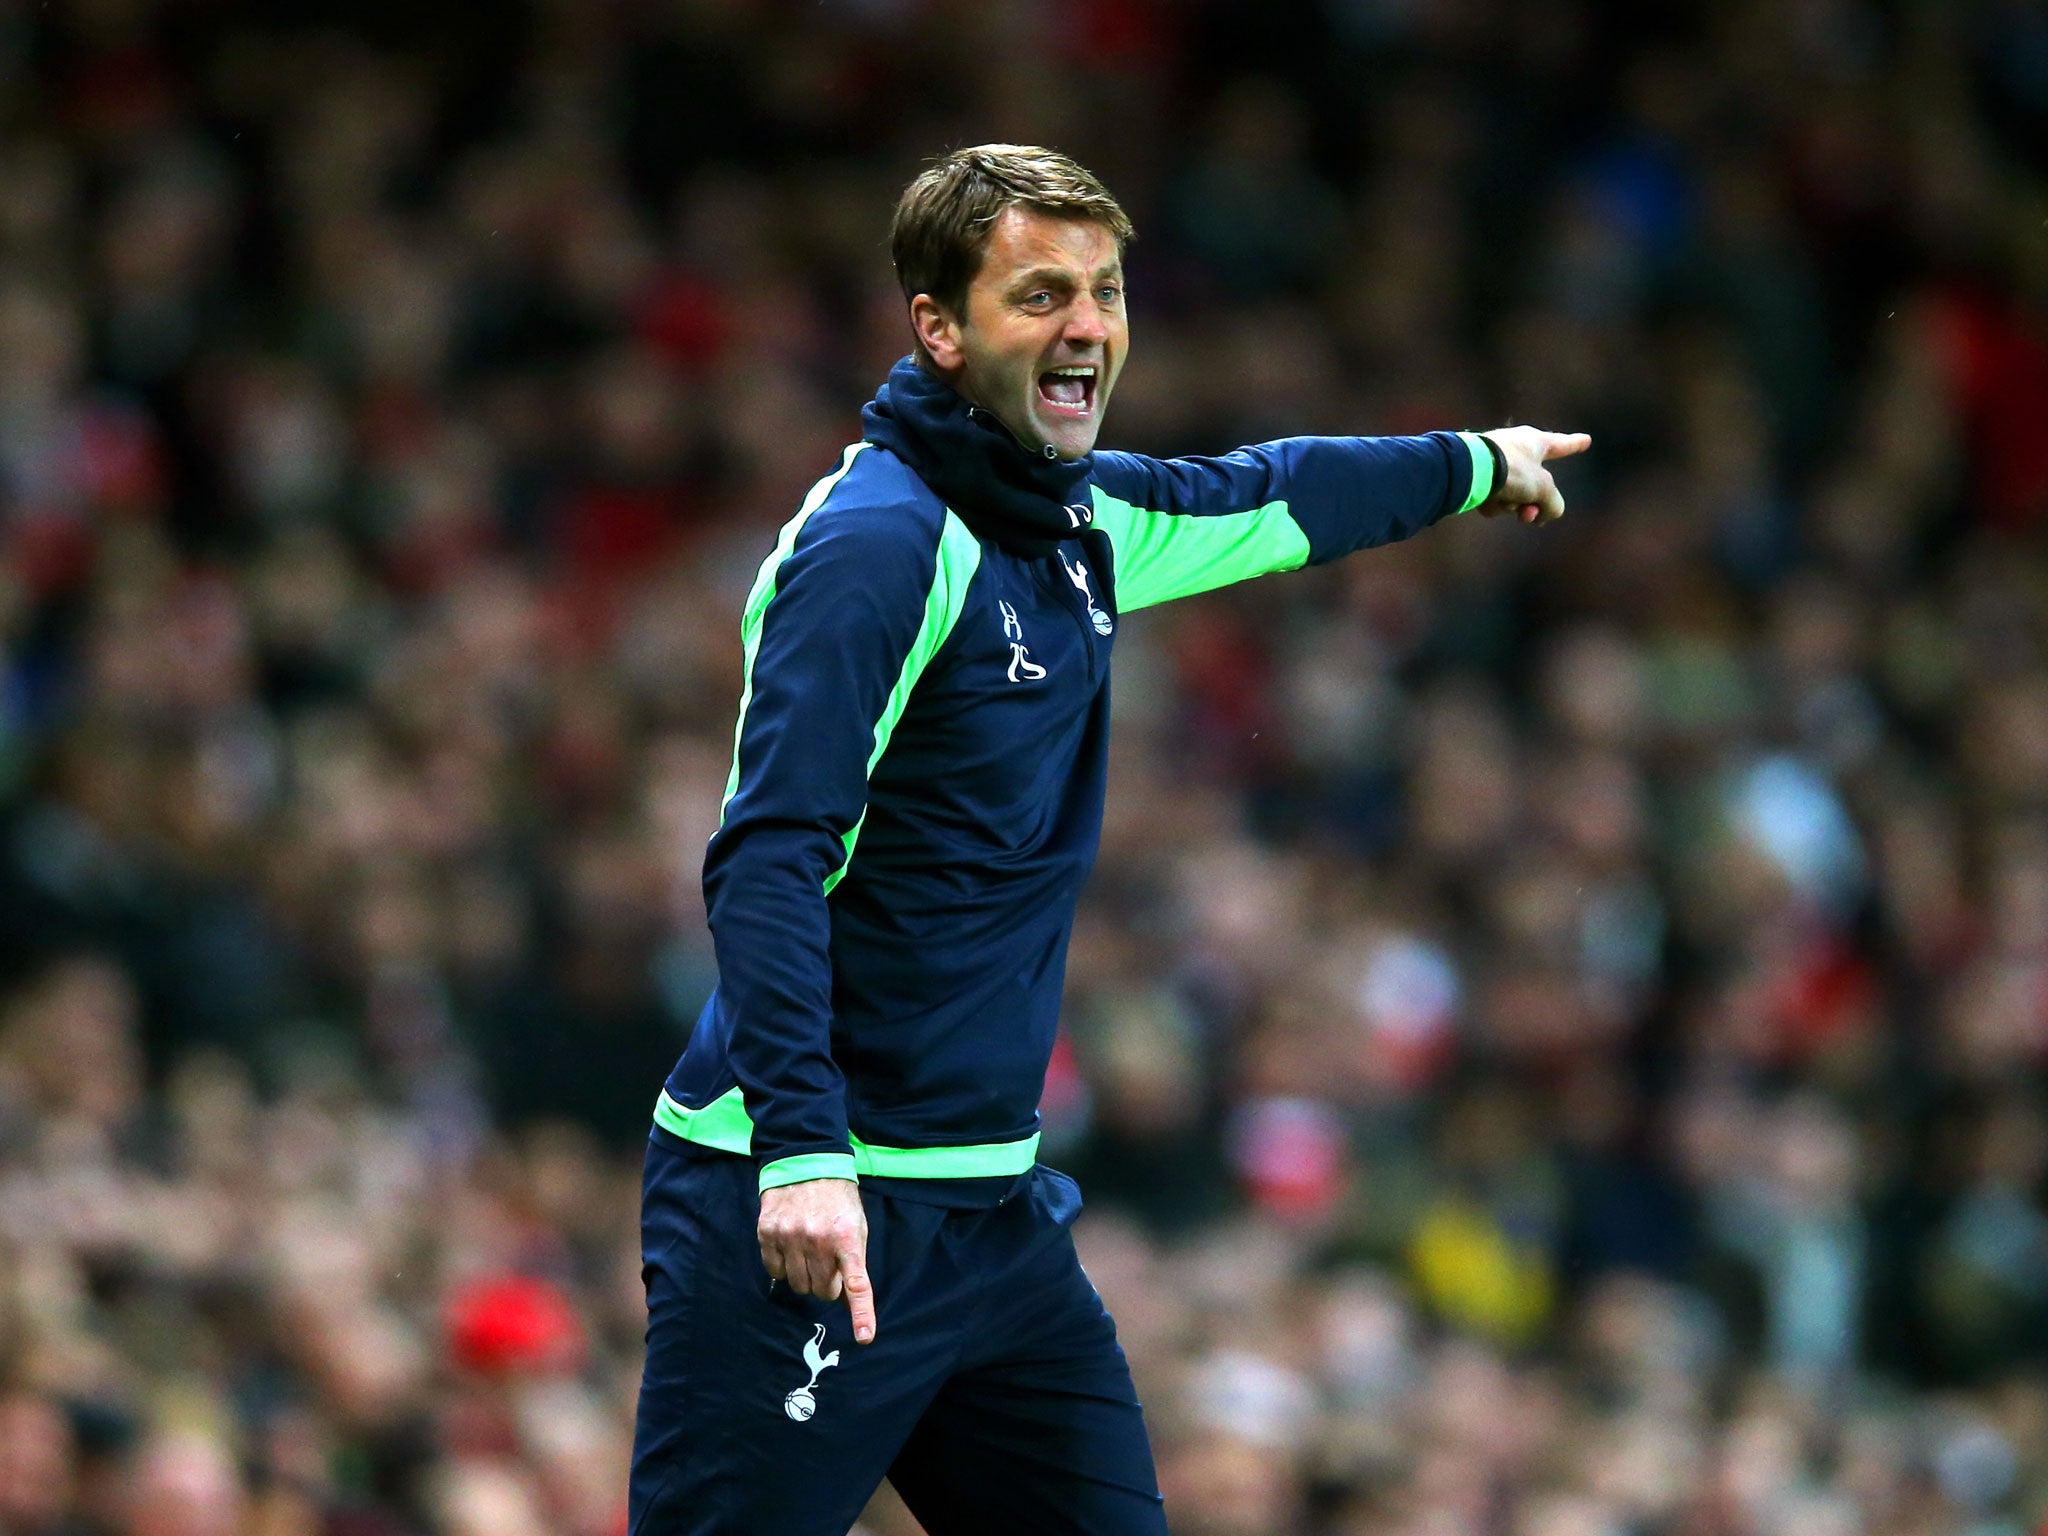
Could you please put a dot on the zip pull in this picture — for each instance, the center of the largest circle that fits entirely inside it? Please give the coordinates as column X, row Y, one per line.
column 976, row 413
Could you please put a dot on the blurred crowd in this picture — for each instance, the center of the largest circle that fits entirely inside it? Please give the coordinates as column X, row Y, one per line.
column 1556, row 1037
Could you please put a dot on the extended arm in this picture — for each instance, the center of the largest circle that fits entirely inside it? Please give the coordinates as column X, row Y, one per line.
column 1181, row 526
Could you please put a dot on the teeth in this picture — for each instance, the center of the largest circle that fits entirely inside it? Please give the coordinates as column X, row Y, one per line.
column 1079, row 373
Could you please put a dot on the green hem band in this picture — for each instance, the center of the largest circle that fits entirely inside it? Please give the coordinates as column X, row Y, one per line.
column 724, row 1126
column 806, row 1167
column 1482, row 470
column 989, row 1160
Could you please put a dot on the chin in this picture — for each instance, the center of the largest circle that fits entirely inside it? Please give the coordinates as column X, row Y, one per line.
column 1067, row 441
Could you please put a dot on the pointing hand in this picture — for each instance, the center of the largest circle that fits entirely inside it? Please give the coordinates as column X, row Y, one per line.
column 814, row 1237
column 1527, row 490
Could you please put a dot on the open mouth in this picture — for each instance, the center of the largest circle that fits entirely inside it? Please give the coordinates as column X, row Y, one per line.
column 1068, row 391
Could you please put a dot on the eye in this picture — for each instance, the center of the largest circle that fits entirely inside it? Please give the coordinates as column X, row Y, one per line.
column 1109, row 293
column 1038, row 299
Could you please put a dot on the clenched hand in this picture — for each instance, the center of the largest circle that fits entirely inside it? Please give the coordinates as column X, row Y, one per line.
column 814, row 1238
column 1527, row 489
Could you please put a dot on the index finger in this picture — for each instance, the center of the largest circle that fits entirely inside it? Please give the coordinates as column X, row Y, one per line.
column 1562, row 445
column 860, row 1292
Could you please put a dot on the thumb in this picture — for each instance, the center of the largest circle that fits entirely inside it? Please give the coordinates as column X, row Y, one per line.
column 860, row 1292
column 1562, row 445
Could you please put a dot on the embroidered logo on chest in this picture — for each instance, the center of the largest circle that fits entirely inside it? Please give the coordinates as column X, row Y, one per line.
column 1077, row 573
column 1022, row 668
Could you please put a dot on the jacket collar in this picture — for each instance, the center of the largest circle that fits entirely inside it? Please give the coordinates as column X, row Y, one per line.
column 1002, row 490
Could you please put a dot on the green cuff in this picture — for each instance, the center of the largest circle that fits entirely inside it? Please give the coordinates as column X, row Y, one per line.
column 806, row 1167
column 1482, row 469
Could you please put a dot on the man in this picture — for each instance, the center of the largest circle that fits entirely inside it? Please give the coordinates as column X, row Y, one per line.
column 855, row 1267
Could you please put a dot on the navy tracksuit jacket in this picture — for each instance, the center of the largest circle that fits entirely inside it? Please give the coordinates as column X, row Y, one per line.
column 917, row 782
column 915, row 799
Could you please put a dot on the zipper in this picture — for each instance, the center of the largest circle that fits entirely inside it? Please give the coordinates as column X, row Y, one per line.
column 976, row 413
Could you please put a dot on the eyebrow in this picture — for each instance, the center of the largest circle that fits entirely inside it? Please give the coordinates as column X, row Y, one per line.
column 1039, row 275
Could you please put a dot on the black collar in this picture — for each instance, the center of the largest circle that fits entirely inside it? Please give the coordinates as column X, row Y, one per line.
column 1023, row 500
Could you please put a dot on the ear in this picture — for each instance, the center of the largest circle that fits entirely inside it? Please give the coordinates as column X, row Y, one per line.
column 937, row 332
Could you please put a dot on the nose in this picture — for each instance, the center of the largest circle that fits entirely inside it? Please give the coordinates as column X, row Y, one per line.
column 1087, row 326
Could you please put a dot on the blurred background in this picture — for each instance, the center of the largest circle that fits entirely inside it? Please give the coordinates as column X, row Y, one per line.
column 1555, row 1041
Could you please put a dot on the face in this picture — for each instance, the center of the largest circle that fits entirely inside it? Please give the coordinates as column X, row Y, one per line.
column 1044, row 335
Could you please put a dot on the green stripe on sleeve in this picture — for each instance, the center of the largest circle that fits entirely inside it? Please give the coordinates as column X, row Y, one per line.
column 806, row 1167
column 1482, row 469
column 1161, row 555
column 959, row 557
column 762, row 595
column 725, row 1126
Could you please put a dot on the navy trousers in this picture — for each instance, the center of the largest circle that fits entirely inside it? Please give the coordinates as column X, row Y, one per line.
column 994, row 1398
